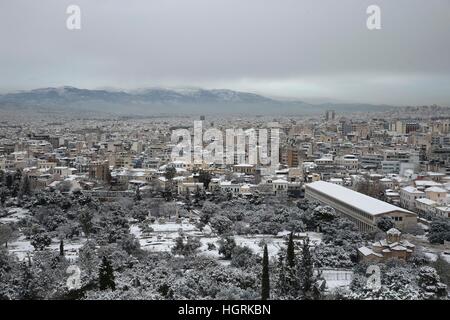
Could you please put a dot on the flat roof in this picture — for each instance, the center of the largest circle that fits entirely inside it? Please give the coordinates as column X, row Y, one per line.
column 426, row 201
column 355, row 199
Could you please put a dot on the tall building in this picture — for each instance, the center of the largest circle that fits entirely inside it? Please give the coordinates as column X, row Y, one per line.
column 330, row 115
column 100, row 171
column 293, row 157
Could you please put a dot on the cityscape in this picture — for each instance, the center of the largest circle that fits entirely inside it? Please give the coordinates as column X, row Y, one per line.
column 216, row 192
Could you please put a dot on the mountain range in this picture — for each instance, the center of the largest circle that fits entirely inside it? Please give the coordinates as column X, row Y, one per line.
column 167, row 101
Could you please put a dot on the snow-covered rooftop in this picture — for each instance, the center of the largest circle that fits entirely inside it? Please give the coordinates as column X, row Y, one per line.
column 393, row 231
column 426, row 201
column 354, row 199
column 427, row 183
column 367, row 252
column 435, row 189
column 410, row 189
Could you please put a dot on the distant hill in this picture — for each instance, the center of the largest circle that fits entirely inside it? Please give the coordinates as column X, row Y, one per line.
column 166, row 101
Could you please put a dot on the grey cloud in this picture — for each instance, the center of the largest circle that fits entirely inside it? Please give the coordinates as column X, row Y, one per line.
column 282, row 47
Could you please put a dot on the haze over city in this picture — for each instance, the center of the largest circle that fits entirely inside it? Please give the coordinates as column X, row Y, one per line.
column 316, row 51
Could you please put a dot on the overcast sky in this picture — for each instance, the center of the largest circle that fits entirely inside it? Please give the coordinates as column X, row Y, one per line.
column 285, row 48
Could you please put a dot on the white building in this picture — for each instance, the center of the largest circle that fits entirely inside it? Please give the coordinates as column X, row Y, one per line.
column 349, row 162
column 437, row 194
column 337, row 181
column 424, row 205
column 365, row 211
column 191, row 187
column 408, row 196
column 280, row 186
column 227, row 186
column 387, row 183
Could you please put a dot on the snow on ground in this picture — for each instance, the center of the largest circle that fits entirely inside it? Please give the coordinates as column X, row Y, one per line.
column 136, row 231
column 163, row 236
column 431, row 256
column 173, row 227
column 446, row 257
column 14, row 215
column 70, row 247
column 337, row 278
column 424, row 227
column 431, row 251
column 22, row 247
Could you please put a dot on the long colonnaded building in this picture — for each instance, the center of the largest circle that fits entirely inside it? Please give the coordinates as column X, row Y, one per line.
column 359, row 208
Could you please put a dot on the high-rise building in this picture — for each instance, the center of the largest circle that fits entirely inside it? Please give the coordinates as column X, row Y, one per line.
column 330, row 115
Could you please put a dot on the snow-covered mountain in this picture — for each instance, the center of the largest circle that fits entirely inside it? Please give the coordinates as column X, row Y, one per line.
column 154, row 100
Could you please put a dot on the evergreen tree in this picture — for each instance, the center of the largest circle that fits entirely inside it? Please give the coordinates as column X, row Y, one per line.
column 137, row 195
column 88, row 260
column 18, row 175
column 281, row 281
column 290, row 254
column 106, row 275
column 3, row 195
column 85, row 219
column 107, row 176
column 9, row 181
column 443, row 269
column 25, row 186
column 306, row 271
column 27, row 288
column 205, row 178
column 226, row 246
column 265, row 278
column 291, row 276
column 61, row 247
column 385, row 223
column 5, row 234
column 178, row 248
column 170, row 173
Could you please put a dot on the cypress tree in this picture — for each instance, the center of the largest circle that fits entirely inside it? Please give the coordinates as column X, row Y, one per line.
column 281, row 284
column 137, row 195
column 24, row 187
column 290, row 254
column 27, row 289
column 306, row 268
column 9, row 181
column 61, row 247
column 106, row 275
column 292, row 279
column 265, row 278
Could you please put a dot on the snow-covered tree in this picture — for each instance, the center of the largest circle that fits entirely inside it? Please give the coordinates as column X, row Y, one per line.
column 306, row 268
column 265, row 277
column 385, row 223
column 429, row 281
column 439, row 230
column 106, row 275
column 221, row 224
column 40, row 241
column 227, row 246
